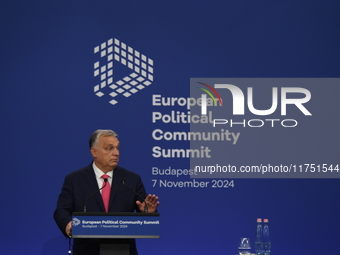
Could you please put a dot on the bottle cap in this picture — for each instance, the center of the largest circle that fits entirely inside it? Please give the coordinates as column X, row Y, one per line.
column 265, row 220
column 258, row 220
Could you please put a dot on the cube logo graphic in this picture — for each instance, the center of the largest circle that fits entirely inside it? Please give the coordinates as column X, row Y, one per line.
column 140, row 77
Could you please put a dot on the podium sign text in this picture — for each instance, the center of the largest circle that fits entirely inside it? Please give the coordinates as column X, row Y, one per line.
column 115, row 225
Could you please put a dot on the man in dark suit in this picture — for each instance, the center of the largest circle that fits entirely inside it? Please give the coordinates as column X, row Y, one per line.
column 79, row 185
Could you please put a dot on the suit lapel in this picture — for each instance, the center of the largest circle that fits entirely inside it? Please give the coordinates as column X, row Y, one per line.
column 117, row 178
column 93, row 184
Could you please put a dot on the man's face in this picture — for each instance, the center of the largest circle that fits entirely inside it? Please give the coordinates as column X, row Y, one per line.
column 106, row 153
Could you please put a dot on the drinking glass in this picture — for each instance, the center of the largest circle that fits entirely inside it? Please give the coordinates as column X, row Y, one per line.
column 244, row 246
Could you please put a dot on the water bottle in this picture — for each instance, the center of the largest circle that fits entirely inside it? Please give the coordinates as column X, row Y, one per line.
column 266, row 238
column 258, row 240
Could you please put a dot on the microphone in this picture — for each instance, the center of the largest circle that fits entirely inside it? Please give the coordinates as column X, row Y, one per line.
column 105, row 183
column 145, row 207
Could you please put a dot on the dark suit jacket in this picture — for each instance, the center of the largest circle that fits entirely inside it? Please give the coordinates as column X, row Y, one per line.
column 79, row 185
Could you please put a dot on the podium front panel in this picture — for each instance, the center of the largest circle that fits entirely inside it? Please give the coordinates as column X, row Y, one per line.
column 115, row 225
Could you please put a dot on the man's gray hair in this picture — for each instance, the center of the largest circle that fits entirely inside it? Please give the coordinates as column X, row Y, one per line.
column 100, row 132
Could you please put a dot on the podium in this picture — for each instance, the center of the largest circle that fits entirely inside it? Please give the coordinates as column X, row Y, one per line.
column 114, row 229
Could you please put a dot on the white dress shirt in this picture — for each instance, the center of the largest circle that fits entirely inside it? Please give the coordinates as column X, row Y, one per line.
column 99, row 174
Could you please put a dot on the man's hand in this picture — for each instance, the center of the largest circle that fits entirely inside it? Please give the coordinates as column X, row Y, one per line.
column 68, row 229
column 152, row 203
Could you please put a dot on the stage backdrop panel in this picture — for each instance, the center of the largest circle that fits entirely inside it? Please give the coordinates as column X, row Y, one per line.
column 71, row 67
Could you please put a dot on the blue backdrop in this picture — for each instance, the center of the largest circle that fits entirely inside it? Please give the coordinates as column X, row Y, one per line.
column 49, row 110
